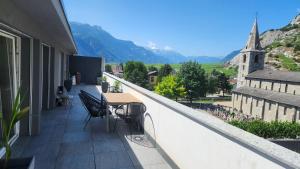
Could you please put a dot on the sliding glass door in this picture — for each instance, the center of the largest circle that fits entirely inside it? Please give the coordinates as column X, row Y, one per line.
column 9, row 74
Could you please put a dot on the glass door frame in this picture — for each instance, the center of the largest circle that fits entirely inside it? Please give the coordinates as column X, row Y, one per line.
column 16, row 53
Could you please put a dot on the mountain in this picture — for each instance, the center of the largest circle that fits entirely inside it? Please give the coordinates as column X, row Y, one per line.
column 205, row 59
column 282, row 47
column 173, row 56
column 230, row 56
column 94, row 41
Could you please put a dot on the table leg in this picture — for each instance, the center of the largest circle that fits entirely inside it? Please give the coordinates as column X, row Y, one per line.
column 107, row 119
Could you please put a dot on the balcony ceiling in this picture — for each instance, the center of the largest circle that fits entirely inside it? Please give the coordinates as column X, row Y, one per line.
column 50, row 16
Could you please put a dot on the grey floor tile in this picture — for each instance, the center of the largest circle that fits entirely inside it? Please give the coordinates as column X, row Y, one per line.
column 108, row 146
column 74, row 148
column 113, row 160
column 77, row 161
column 76, row 136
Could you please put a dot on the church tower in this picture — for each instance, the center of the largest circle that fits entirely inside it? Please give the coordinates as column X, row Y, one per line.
column 251, row 57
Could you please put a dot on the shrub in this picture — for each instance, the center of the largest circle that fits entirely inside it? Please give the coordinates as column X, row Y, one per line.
column 274, row 129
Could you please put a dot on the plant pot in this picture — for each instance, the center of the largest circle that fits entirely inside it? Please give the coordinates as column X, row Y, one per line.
column 104, row 87
column 68, row 84
column 18, row 163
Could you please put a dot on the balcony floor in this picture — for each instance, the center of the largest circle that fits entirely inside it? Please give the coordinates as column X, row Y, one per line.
column 64, row 144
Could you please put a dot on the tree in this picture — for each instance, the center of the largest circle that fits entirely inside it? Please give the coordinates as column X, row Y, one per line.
column 152, row 68
column 223, row 83
column 212, row 84
column 136, row 72
column 108, row 68
column 193, row 79
column 164, row 71
column 170, row 87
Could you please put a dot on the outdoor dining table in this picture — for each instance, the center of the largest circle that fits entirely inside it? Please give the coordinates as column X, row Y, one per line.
column 116, row 99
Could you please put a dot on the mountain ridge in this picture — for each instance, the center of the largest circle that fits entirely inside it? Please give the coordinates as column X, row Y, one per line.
column 94, row 41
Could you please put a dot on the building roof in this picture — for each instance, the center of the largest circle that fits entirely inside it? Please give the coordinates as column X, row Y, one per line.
column 153, row 73
column 284, row 98
column 253, row 43
column 275, row 75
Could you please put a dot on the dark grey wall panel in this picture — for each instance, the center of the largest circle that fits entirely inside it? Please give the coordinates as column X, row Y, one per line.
column 52, row 84
column 88, row 67
column 25, row 82
column 36, row 88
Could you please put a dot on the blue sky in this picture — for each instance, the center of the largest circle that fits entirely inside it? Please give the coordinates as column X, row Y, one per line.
column 191, row 27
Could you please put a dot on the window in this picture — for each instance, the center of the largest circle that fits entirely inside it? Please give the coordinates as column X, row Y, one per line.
column 250, row 83
column 237, row 97
column 151, row 78
column 256, row 102
column 272, row 86
column 9, row 73
column 286, row 88
column 244, row 58
column 284, row 111
column 266, row 87
column 246, row 100
column 294, row 92
column 270, row 106
column 259, row 84
column 256, row 59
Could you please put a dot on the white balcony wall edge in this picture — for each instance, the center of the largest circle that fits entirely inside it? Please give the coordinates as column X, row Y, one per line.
column 194, row 139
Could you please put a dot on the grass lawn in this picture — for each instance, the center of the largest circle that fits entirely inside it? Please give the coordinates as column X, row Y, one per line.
column 207, row 67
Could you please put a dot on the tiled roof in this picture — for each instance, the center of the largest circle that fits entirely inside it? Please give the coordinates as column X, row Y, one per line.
column 284, row 98
column 275, row 75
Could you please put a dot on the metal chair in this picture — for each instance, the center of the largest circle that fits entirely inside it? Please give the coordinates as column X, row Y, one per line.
column 93, row 106
column 132, row 115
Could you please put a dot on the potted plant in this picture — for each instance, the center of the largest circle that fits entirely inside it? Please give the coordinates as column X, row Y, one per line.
column 68, row 84
column 117, row 87
column 7, row 126
column 104, row 85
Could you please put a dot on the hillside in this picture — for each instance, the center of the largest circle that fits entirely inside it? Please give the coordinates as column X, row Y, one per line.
column 282, row 47
column 94, row 41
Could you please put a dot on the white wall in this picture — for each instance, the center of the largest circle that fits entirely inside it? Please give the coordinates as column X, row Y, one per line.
column 198, row 140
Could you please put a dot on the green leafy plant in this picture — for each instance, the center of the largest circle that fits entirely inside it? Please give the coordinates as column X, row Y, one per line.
column 117, row 86
column 8, row 124
column 104, row 79
column 170, row 87
column 274, row 129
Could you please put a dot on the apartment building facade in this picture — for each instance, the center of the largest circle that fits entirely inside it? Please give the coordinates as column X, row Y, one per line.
column 35, row 43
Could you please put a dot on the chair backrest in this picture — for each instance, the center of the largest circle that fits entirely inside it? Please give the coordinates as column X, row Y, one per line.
column 92, row 104
column 136, row 109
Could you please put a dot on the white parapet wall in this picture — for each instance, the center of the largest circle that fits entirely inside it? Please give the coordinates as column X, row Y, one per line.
column 193, row 139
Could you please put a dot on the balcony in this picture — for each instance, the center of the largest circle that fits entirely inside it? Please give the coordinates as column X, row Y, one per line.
column 176, row 137
column 64, row 144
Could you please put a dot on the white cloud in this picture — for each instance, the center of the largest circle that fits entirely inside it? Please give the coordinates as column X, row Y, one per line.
column 152, row 45
column 168, row 48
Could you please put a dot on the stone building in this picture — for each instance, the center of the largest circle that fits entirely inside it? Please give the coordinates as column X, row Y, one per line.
column 262, row 93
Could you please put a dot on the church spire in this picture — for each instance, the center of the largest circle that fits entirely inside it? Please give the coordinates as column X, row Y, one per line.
column 253, row 42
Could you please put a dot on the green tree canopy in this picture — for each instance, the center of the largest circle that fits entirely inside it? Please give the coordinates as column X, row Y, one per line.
column 170, row 87
column 223, row 83
column 108, row 68
column 164, row 71
column 152, row 68
column 193, row 78
column 218, row 81
column 136, row 72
